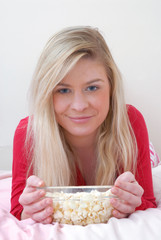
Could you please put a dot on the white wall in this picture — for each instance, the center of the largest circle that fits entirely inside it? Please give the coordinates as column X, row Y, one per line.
column 132, row 30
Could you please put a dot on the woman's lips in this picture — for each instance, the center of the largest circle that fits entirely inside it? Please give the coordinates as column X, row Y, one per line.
column 82, row 119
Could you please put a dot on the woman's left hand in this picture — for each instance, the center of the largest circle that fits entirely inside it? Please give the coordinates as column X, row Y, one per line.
column 129, row 192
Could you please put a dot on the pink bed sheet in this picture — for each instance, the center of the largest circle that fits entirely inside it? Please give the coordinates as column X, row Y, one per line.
column 140, row 225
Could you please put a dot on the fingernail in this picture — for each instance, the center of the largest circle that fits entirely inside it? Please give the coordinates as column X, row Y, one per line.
column 114, row 190
column 40, row 183
column 118, row 183
column 48, row 201
column 112, row 201
column 48, row 220
column 115, row 213
column 41, row 193
column 49, row 210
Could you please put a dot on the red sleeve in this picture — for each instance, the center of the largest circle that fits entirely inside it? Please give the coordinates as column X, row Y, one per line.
column 143, row 173
column 19, row 167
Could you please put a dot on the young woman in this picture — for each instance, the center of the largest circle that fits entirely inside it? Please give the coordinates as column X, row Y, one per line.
column 79, row 131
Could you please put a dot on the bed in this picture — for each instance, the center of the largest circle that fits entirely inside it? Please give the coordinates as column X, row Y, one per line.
column 141, row 225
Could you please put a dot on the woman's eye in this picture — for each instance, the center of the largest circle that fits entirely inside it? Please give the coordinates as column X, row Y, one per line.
column 64, row 90
column 92, row 88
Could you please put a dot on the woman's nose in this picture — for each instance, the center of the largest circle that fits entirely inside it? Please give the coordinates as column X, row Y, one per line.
column 79, row 102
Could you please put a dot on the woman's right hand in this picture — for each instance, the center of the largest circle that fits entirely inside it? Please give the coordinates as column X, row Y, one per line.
column 34, row 206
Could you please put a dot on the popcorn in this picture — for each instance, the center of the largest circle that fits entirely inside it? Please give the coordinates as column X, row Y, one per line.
column 81, row 208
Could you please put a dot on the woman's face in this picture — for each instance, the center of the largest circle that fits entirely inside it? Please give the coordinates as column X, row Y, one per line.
column 81, row 99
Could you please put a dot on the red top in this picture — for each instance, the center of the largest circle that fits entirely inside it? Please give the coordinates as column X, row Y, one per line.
column 143, row 176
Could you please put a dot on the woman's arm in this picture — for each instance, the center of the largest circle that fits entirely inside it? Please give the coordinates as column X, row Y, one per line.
column 19, row 167
column 143, row 173
column 135, row 192
column 26, row 200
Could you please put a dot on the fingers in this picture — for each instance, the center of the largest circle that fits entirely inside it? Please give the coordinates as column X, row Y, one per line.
column 31, row 193
column 38, row 206
column 33, row 182
column 129, row 194
column 125, row 177
column 47, row 220
column 127, row 182
column 131, row 187
column 43, row 216
column 34, row 205
column 27, row 198
column 40, row 211
column 118, row 214
column 122, row 207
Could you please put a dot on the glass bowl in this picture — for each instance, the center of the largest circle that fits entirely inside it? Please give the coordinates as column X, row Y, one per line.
column 81, row 205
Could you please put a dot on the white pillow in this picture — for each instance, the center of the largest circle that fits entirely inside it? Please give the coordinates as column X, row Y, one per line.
column 156, row 174
column 155, row 161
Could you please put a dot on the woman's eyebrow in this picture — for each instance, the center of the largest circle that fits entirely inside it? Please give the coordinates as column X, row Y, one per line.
column 61, row 84
column 95, row 81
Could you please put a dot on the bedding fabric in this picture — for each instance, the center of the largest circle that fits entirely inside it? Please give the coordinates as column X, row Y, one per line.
column 140, row 225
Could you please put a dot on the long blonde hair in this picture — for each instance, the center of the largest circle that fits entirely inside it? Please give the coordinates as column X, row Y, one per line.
column 52, row 158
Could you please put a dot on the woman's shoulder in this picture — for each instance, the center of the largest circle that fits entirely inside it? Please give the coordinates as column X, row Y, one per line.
column 137, row 121
column 135, row 116
column 23, row 123
column 21, row 128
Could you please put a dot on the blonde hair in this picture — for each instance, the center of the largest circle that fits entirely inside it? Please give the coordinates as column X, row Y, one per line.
column 52, row 158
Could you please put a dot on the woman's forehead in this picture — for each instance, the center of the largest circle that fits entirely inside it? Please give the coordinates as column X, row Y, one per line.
column 86, row 70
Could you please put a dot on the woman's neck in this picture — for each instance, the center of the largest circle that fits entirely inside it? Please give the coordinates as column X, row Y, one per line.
column 82, row 142
column 84, row 150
